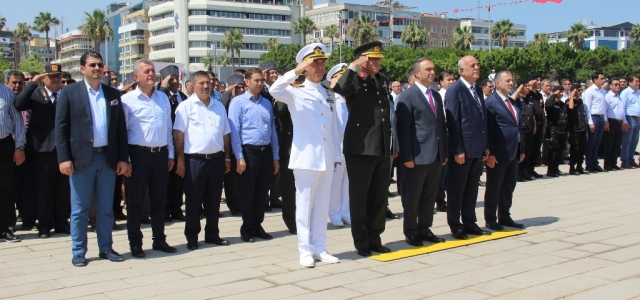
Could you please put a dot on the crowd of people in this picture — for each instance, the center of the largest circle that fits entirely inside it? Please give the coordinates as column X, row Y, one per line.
column 325, row 142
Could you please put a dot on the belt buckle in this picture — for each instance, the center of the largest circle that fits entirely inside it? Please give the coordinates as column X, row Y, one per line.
column 154, row 149
column 208, row 156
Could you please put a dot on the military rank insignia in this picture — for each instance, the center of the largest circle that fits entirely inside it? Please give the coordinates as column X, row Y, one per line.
column 45, row 96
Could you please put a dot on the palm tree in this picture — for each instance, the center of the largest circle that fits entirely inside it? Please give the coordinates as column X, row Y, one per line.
column 43, row 23
column 502, row 30
column 271, row 43
column 634, row 35
column 3, row 22
column 331, row 32
column 304, row 26
column 23, row 32
column 232, row 43
column 541, row 38
column 208, row 62
column 463, row 38
column 415, row 35
column 577, row 34
column 363, row 31
column 96, row 27
column 223, row 60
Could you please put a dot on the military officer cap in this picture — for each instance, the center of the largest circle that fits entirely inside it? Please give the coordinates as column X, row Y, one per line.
column 267, row 65
column 235, row 79
column 170, row 70
column 52, row 68
column 371, row 50
column 337, row 70
column 311, row 51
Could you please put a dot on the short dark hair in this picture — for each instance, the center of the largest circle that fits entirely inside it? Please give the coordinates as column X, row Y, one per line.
column 199, row 74
column 14, row 73
column 90, row 53
column 445, row 73
column 211, row 74
column 595, row 75
column 484, row 83
column 113, row 73
column 66, row 75
column 631, row 77
column 241, row 71
column 614, row 79
column 34, row 73
column 251, row 71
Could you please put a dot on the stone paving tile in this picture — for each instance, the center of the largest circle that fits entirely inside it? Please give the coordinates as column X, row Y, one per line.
column 241, row 287
column 30, row 289
column 461, row 294
column 392, row 294
column 499, row 287
column 279, row 292
column 570, row 253
column 79, row 291
column 449, row 269
column 580, row 282
column 617, row 271
column 337, row 280
column 295, row 276
column 624, row 289
column 620, row 255
column 194, row 294
column 381, row 284
column 338, row 293
column 538, row 292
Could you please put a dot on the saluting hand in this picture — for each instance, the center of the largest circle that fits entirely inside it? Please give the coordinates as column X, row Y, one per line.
column 38, row 78
column 165, row 82
column 301, row 67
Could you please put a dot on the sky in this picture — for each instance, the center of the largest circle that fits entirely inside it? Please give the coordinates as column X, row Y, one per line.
column 549, row 17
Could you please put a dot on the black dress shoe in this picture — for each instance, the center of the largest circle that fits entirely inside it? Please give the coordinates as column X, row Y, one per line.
column 163, row 246
column 167, row 219
column 262, row 235
column 217, row 241
column 293, row 231
column 477, row 231
column 391, row 180
column 276, row 203
column 430, row 237
column 527, row 176
column 511, row 223
column 521, row 178
column 582, row 171
column 136, row 251
column 535, row 174
column 92, row 228
column 391, row 215
column 235, row 213
column 380, row 249
column 43, row 235
column 599, row 169
column 247, row 237
column 552, row 174
column 268, row 208
column 617, row 168
column 178, row 217
column 494, row 226
column 145, row 221
column 192, row 245
column 65, row 230
column 364, row 252
column 414, row 240
column 119, row 215
column 560, row 173
column 441, row 208
column 9, row 237
column 459, row 235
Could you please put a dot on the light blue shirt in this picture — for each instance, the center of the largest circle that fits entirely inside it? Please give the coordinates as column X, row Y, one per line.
column 594, row 103
column 99, row 116
column 148, row 119
column 10, row 119
column 615, row 107
column 216, row 96
column 631, row 101
column 252, row 123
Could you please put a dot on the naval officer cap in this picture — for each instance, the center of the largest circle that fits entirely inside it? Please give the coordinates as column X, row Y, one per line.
column 267, row 65
column 337, row 70
column 170, row 70
column 235, row 79
column 370, row 50
column 311, row 51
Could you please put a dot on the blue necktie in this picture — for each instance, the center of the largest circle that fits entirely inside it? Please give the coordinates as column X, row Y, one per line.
column 475, row 96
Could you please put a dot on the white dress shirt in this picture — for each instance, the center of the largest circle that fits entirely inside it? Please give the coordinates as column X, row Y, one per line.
column 594, row 103
column 148, row 119
column 615, row 107
column 177, row 96
column 50, row 93
column 203, row 126
column 99, row 116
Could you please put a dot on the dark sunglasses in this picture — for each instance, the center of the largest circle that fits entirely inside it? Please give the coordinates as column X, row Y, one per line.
column 64, row 81
column 27, row 79
column 93, row 65
column 615, row 84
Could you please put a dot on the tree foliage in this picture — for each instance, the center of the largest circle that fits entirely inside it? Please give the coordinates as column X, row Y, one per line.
column 271, row 43
column 415, row 35
column 363, row 31
column 635, row 34
column 42, row 23
column 31, row 64
column 331, row 32
column 304, row 26
column 502, row 30
column 463, row 38
column 283, row 56
column 23, row 32
column 577, row 34
column 96, row 28
column 4, row 65
column 233, row 43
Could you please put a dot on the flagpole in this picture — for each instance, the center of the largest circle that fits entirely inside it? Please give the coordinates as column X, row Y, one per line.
column 490, row 39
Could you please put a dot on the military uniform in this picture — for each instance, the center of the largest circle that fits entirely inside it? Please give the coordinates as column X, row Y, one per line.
column 275, row 191
column 578, row 126
column 526, row 105
column 367, row 148
column 556, row 135
column 538, row 137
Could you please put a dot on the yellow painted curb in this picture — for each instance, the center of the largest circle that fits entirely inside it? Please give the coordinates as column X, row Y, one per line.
column 404, row 253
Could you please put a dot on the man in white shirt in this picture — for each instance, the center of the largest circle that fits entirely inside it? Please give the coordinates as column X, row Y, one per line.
column 149, row 130
column 596, row 109
column 612, row 139
column 202, row 146
column 545, row 90
column 396, row 89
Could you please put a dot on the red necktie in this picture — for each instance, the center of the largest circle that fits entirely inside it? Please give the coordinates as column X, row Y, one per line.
column 513, row 113
column 433, row 107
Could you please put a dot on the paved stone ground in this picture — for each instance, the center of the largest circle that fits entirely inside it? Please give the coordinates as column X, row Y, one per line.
column 583, row 242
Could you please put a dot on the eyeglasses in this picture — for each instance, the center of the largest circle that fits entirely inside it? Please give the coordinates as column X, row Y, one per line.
column 65, row 81
column 615, row 84
column 99, row 65
column 27, row 79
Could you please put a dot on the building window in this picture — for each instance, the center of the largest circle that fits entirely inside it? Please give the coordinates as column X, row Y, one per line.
column 434, row 43
column 195, row 60
column 433, row 28
column 162, row 16
column 443, row 43
column 162, row 31
column 238, row 15
column 611, row 33
column 248, row 31
column 247, row 61
column 475, row 29
column 160, row 47
column 443, row 30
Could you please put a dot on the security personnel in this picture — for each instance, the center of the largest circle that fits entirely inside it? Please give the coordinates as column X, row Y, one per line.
column 270, row 74
column 538, row 134
column 526, row 106
column 231, row 193
column 169, row 86
column 578, row 126
column 315, row 152
column 556, row 130
column 367, row 147
column 52, row 187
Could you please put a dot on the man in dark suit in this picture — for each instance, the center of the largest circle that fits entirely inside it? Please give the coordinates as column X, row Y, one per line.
column 506, row 146
column 422, row 138
column 237, row 87
column 466, row 122
column 91, row 158
column 51, row 186
column 367, row 147
column 169, row 86
column 270, row 74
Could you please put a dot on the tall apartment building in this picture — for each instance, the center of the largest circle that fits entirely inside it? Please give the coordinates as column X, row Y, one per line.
column 110, row 49
column 9, row 48
column 133, row 37
column 187, row 31
column 344, row 14
column 440, row 29
column 38, row 45
column 615, row 36
column 71, row 45
column 481, row 29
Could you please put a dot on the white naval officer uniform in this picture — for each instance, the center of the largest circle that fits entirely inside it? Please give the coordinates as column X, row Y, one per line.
column 314, row 151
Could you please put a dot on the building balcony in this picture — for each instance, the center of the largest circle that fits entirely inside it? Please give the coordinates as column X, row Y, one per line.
column 70, row 59
column 75, row 47
column 131, row 39
column 131, row 55
column 133, row 26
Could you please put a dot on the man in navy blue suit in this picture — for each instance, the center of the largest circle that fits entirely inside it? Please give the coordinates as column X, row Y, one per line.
column 507, row 150
column 422, row 139
column 466, row 122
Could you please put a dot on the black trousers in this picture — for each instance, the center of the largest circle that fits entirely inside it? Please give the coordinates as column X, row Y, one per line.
column 175, row 189
column 29, row 212
column 53, row 192
column 442, row 186
column 288, row 187
column 420, row 189
column 528, row 150
column 231, row 192
column 462, row 192
column 498, row 197
column 7, row 209
column 578, row 148
column 368, row 196
column 556, row 144
column 255, row 182
column 203, row 186
column 275, row 191
column 536, row 148
column 21, row 190
column 147, row 170
column 611, row 143
column 117, row 194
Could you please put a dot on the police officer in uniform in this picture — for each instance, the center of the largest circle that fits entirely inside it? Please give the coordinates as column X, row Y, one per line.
column 556, row 131
column 578, row 126
column 367, row 147
column 538, row 134
column 525, row 104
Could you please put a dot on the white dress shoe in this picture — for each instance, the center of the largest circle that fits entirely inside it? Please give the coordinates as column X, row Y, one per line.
column 346, row 220
column 337, row 223
column 326, row 258
column 307, row 261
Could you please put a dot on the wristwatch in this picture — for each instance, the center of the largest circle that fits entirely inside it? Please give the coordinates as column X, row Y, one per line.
column 227, row 160
column 21, row 148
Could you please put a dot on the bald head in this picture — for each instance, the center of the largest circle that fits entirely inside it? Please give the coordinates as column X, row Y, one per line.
column 469, row 69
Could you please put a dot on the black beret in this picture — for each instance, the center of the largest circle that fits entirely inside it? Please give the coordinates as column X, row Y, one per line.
column 170, row 70
column 235, row 79
column 533, row 76
column 268, row 65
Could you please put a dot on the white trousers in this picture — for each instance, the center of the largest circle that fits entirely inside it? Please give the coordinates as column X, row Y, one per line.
column 313, row 189
column 339, row 204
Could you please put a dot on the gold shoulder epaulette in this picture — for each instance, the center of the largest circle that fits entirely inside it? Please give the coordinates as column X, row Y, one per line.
column 297, row 85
